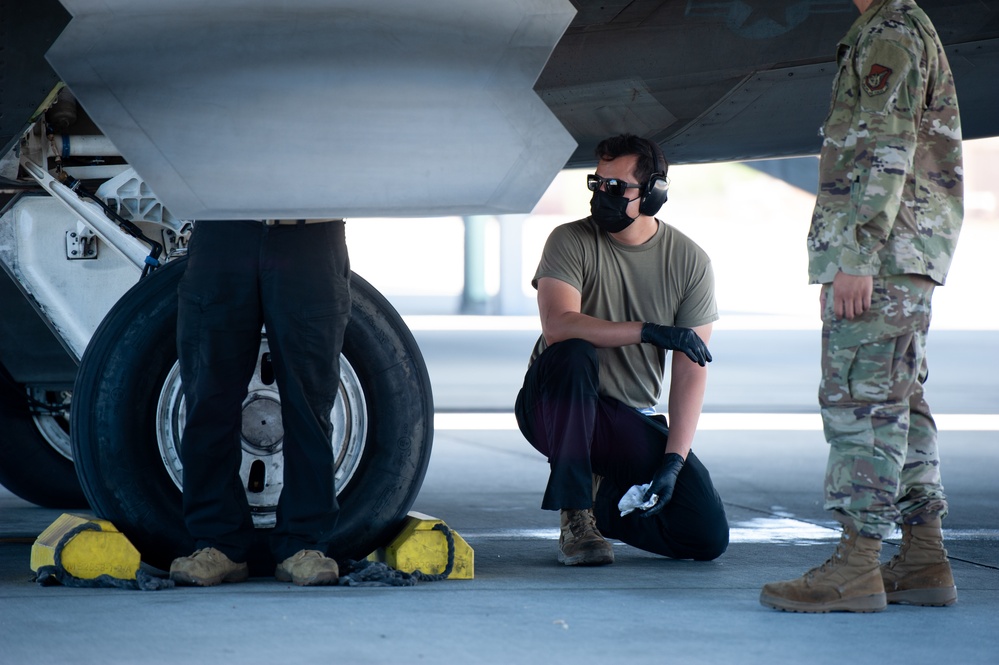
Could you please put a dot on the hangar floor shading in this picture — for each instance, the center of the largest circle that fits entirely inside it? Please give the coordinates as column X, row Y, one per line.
column 485, row 482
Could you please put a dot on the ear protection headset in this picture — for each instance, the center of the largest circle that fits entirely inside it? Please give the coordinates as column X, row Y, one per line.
column 655, row 192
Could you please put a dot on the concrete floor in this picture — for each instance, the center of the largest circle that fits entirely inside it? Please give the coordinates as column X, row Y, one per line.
column 522, row 606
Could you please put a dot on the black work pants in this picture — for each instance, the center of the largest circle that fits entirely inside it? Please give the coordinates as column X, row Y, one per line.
column 295, row 280
column 581, row 433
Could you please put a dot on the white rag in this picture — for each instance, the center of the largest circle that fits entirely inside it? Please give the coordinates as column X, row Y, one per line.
column 633, row 499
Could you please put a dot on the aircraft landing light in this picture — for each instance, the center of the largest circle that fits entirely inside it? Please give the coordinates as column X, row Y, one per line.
column 953, row 422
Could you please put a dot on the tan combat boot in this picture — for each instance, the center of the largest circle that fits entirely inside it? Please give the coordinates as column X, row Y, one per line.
column 580, row 543
column 850, row 581
column 920, row 573
column 308, row 568
column 207, row 567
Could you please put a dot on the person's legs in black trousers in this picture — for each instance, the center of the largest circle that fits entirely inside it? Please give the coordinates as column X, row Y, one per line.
column 241, row 275
column 556, row 411
column 306, row 309
column 218, row 338
column 628, row 448
column 562, row 416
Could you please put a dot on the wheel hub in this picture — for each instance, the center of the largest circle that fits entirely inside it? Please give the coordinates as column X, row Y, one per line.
column 262, row 430
column 262, row 434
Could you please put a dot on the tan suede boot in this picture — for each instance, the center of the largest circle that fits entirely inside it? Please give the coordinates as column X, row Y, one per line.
column 308, row 568
column 850, row 581
column 580, row 543
column 920, row 573
column 207, row 567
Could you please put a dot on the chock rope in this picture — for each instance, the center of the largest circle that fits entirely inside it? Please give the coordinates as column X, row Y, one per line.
column 375, row 573
column 57, row 573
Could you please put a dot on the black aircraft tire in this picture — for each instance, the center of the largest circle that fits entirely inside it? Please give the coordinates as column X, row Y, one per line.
column 30, row 466
column 114, row 430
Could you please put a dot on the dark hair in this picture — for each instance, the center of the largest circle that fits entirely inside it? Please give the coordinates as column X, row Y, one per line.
column 648, row 154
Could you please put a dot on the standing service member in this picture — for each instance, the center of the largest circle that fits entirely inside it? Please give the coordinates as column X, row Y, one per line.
column 292, row 276
column 883, row 233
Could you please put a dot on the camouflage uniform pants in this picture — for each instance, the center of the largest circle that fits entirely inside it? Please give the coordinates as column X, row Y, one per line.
column 883, row 464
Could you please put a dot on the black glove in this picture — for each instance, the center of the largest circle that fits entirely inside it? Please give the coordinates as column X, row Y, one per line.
column 677, row 339
column 663, row 483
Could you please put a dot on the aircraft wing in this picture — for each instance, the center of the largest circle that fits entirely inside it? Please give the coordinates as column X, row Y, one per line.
column 322, row 108
column 728, row 80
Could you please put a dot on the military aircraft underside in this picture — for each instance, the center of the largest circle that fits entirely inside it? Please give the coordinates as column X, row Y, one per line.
column 126, row 122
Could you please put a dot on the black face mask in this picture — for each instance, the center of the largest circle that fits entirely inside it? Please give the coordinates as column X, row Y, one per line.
column 609, row 212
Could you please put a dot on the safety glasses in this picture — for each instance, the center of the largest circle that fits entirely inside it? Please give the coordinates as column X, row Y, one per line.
column 612, row 186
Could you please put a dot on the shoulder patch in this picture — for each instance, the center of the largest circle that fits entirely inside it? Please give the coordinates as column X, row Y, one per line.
column 883, row 66
column 878, row 80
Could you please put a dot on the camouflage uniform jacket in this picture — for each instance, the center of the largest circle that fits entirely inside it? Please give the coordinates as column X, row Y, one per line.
column 890, row 198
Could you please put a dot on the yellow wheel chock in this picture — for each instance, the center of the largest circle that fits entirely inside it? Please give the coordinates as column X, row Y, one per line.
column 96, row 548
column 422, row 545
